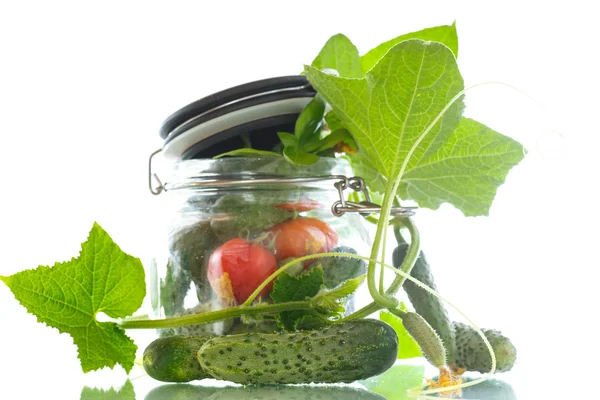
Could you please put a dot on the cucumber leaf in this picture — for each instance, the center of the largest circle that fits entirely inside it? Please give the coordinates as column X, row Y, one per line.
column 69, row 295
column 466, row 171
column 124, row 393
column 333, row 121
column 445, row 34
column 291, row 288
column 341, row 55
column 407, row 347
column 387, row 111
column 332, row 300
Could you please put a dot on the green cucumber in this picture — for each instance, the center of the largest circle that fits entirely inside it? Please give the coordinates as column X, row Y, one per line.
column 425, row 304
column 173, row 359
column 337, row 270
column 342, row 352
column 426, row 337
column 472, row 354
column 190, row 247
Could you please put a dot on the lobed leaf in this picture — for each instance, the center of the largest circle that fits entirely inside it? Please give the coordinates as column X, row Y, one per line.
column 69, row 295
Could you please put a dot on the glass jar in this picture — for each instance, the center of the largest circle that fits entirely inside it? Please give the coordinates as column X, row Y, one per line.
column 244, row 218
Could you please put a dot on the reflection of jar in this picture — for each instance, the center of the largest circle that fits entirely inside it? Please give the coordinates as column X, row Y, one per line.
column 245, row 217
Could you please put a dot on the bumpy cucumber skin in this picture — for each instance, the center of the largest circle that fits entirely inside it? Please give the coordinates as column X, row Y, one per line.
column 343, row 352
column 173, row 359
column 426, row 337
column 425, row 304
column 473, row 355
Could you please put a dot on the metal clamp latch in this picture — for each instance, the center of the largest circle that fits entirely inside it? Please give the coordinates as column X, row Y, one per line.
column 365, row 207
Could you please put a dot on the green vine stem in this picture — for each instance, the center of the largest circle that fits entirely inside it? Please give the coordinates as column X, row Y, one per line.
column 381, row 299
column 411, row 257
column 213, row 316
column 409, row 261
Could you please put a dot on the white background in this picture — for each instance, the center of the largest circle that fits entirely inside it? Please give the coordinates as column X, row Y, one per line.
column 84, row 87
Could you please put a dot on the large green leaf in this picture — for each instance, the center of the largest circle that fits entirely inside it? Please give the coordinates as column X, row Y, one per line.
column 466, row 171
column 459, row 161
column 69, row 295
column 340, row 54
column 445, row 34
column 388, row 109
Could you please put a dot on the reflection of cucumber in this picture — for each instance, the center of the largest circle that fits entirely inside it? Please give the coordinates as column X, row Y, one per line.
column 236, row 216
column 343, row 352
column 181, row 392
column 340, row 269
column 473, row 355
column 173, row 359
column 427, row 305
column 491, row 389
column 295, row 393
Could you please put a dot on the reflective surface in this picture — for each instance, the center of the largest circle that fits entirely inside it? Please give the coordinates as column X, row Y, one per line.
column 391, row 385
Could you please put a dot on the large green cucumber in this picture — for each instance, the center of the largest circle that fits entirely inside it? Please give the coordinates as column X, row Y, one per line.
column 343, row 352
column 173, row 359
column 473, row 355
column 425, row 304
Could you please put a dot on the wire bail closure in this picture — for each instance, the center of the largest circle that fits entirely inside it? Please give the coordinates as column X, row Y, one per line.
column 365, row 207
column 338, row 208
column 152, row 176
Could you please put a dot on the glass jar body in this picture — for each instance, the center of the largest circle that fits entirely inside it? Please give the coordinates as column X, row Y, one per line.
column 225, row 233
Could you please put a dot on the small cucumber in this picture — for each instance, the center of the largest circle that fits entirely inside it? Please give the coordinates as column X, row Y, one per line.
column 426, row 337
column 425, row 304
column 473, row 355
column 173, row 359
column 342, row 352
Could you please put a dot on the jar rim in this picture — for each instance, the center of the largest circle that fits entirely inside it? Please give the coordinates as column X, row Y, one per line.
column 249, row 172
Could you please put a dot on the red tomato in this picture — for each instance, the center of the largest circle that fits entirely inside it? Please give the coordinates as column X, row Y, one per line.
column 237, row 268
column 302, row 236
column 300, row 205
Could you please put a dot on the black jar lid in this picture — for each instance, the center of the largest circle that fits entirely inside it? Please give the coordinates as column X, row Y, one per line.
column 215, row 123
